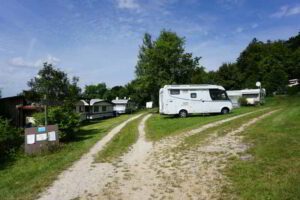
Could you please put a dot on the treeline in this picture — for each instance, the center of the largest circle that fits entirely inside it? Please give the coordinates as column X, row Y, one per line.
column 164, row 61
column 272, row 63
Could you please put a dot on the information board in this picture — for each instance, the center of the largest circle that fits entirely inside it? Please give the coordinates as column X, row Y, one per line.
column 38, row 139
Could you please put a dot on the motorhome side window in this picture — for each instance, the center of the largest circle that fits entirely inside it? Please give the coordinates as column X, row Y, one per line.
column 193, row 95
column 174, row 92
column 216, row 94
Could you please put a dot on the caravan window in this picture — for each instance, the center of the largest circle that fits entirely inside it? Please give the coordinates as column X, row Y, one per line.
column 174, row 92
column 193, row 95
column 96, row 109
column 81, row 108
column 216, row 94
column 250, row 95
column 103, row 108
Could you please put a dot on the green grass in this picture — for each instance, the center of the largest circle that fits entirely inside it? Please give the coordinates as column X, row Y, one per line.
column 26, row 176
column 159, row 126
column 274, row 171
column 222, row 129
column 120, row 143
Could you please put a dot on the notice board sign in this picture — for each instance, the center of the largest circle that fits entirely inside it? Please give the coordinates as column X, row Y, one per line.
column 38, row 139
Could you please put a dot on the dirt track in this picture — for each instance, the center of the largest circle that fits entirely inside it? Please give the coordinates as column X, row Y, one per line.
column 84, row 177
column 152, row 171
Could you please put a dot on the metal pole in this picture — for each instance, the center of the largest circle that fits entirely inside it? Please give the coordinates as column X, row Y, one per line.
column 46, row 110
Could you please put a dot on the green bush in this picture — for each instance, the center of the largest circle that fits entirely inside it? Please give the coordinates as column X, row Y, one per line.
column 243, row 101
column 67, row 120
column 10, row 138
column 293, row 90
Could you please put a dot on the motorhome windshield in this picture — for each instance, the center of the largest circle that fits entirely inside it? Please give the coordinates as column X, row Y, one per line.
column 217, row 94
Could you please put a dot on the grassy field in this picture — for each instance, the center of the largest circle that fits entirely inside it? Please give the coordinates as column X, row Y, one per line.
column 222, row 129
column 274, row 171
column 27, row 176
column 121, row 143
column 159, row 126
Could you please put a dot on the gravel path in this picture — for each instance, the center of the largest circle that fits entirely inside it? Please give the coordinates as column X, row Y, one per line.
column 153, row 170
column 85, row 176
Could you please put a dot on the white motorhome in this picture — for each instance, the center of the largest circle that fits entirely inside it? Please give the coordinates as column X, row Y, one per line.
column 190, row 99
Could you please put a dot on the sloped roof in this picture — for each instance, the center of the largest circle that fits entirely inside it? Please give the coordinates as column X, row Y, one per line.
column 93, row 101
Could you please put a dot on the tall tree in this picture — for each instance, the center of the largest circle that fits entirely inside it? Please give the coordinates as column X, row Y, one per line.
column 116, row 91
column 229, row 76
column 163, row 61
column 95, row 91
column 199, row 76
column 55, row 85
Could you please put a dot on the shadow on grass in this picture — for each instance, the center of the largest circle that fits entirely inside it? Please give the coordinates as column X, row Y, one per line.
column 81, row 135
column 7, row 161
column 193, row 116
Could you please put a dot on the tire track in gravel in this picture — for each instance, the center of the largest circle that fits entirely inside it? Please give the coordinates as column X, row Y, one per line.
column 147, row 171
column 84, row 177
column 156, row 174
column 197, row 173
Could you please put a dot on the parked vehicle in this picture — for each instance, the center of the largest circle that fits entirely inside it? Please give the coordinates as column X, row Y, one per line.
column 252, row 96
column 122, row 106
column 94, row 109
column 193, row 99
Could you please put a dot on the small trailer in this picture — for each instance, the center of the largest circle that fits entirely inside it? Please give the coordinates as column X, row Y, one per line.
column 193, row 99
column 94, row 109
column 253, row 96
column 122, row 106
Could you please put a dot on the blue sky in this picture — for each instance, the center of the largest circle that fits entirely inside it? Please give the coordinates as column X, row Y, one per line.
column 98, row 40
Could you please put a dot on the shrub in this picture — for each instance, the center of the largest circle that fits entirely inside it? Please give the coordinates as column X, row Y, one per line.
column 243, row 101
column 10, row 138
column 67, row 120
column 293, row 90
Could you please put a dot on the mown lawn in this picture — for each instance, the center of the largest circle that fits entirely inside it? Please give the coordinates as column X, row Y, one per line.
column 26, row 176
column 120, row 143
column 222, row 129
column 159, row 126
column 274, row 171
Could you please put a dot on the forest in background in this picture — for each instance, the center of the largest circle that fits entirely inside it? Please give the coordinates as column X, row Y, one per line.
column 165, row 61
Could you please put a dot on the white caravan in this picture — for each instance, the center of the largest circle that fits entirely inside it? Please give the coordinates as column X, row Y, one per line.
column 190, row 99
column 253, row 96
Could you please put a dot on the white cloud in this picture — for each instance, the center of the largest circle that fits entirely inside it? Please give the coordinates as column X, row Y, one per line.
column 230, row 4
column 128, row 4
column 21, row 62
column 239, row 29
column 255, row 25
column 286, row 11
